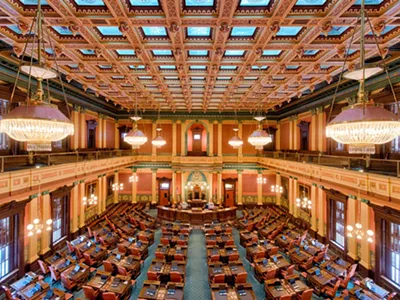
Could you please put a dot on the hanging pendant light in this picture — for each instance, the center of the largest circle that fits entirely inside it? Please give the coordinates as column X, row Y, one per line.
column 259, row 138
column 135, row 137
column 36, row 227
column 37, row 122
column 158, row 141
column 117, row 187
column 277, row 189
column 303, row 201
column 235, row 141
column 364, row 124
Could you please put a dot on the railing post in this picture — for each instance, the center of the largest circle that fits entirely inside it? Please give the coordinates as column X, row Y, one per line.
column 398, row 169
column 48, row 159
column 2, row 165
column 349, row 163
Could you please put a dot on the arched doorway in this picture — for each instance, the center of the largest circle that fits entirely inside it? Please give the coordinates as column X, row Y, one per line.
column 197, row 138
column 196, row 187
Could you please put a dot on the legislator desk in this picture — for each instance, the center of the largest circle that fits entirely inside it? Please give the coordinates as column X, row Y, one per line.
column 195, row 216
column 197, row 202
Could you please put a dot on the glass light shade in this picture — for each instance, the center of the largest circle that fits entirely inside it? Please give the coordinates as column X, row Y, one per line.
column 359, row 74
column 259, row 138
column 36, row 221
column 358, row 237
column 370, row 232
column 136, row 138
column 349, row 234
column 363, row 127
column 48, row 228
column 350, row 228
column 39, row 72
column 298, row 200
column 358, row 226
column 38, row 231
column 29, row 227
column 30, row 233
column 36, row 124
column 49, row 221
column 235, row 142
column 370, row 239
column 158, row 141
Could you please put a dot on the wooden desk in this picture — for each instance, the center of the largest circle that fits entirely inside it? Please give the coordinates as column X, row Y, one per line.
column 276, row 288
column 298, row 256
column 239, row 292
column 22, row 283
column 121, row 288
column 172, row 251
column 283, row 242
column 260, row 268
column 281, row 262
column 310, row 249
column 369, row 284
column 146, row 235
column 246, row 237
column 215, row 269
column 368, row 295
column 79, row 240
column 318, row 282
column 171, row 291
column 140, row 249
column 196, row 217
column 97, row 282
column 56, row 295
column 78, row 277
column 98, row 254
column 64, row 264
column 255, row 251
column 32, row 291
column 54, row 259
column 334, row 268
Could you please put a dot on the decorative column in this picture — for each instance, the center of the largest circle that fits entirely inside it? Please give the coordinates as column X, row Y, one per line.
column 259, row 188
column 219, row 138
column 240, row 187
column 153, row 186
column 365, row 254
column 46, row 214
column 82, row 129
column 295, row 196
column 210, row 186
column 211, row 139
column 183, row 139
column 104, row 185
column 32, row 213
column 295, row 133
column 100, row 192
column 116, row 193
column 183, row 186
column 290, row 195
column 116, row 135
column 278, row 136
column 278, row 181
column 173, row 187
column 320, row 129
column 74, row 207
column 321, row 210
column 174, row 139
column 352, row 219
column 313, row 199
column 134, row 186
column 78, row 129
column 313, row 129
column 81, row 188
column 219, row 188
column 240, row 134
column 104, row 136
column 153, row 136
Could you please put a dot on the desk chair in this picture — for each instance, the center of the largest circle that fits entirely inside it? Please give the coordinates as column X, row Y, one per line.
column 271, row 274
column 90, row 293
column 392, row 296
column 108, row 266
column 175, row 277
column 67, row 283
column 123, row 271
column 320, row 257
column 306, row 295
column 289, row 271
column 164, row 241
column 233, row 257
column 179, row 257
column 110, row 296
column 260, row 255
column 181, row 243
column 219, row 278
column 152, row 276
column 307, row 264
column 230, row 242
column 43, row 267
column 88, row 260
column 55, row 276
column 350, row 275
column 121, row 248
column 71, row 249
column 211, row 242
column 160, row 255
column 286, row 297
column 331, row 291
column 90, row 232
column 7, row 292
column 241, row 277
column 215, row 257
column 274, row 251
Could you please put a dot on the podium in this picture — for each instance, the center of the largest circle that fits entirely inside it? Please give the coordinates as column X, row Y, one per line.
column 197, row 202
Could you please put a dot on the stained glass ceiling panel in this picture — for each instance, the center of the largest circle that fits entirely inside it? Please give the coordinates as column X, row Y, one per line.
column 162, row 52
column 337, row 30
column 89, row 2
column 62, row 30
column 234, row 52
column 33, row 2
column 228, row 67
column 14, row 28
column 144, row 3
column 259, row 68
column 369, row 2
column 310, row 52
column 199, row 3
column 199, row 31
column 167, row 68
column 87, row 51
column 154, row 31
column 310, row 2
column 197, row 67
column 109, row 30
column 125, row 52
column 254, row 2
column 289, row 31
column 140, row 67
column 272, row 52
column 243, row 31
column 198, row 52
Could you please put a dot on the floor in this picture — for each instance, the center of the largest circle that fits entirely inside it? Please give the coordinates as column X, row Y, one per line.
column 196, row 286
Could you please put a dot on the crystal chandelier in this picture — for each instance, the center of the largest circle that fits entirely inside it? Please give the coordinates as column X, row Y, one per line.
column 117, row 187
column 261, row 180
column 235, row 141
column 358, row 232
column 276, row 188
column 135, row 137
column 364, row 124
column 158, row 141
column 133, row 178
column 259, row 138
column 37, row 122
column 303, row 201
column 36, row 226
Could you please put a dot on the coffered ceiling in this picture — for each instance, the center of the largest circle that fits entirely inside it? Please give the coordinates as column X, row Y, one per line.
column 202, row 55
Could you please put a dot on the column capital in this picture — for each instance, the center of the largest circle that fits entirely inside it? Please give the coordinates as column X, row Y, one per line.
column 239, row 171
column 154, row 170
column 313, row 111
column 47, row 192
column 352, row 197
column 314, row 184
column 77, row 108
column 320, row 109
column 82, row 181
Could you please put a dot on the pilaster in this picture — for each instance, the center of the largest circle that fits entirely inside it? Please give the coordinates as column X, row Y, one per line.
column 46, row 214
column 352, row 219
column 278, row 136
column 81, row 188
column 134, row 186
column 174, row 187
column 219, row 138
column 153, row 186
column 321, row 210
column 365, row 214
column 116, row 180
column 32, row 213
column 240, row 135
column 278, row 181
column 240, row 187
column 116, row 135
column 173, row 139
column 314, row 190
column 219, row 188
column 153, row 136
column 259, row 188
column 313, row 129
